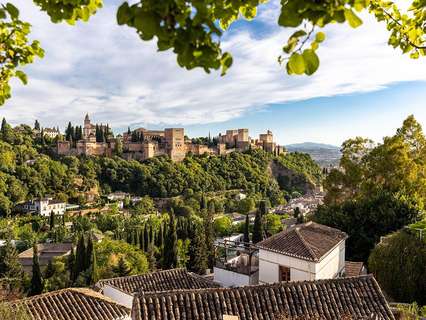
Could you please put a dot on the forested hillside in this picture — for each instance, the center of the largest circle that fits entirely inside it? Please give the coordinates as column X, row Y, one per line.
column 28, row 168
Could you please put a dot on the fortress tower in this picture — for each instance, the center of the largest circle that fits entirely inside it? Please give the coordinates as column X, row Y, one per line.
column 88, row 127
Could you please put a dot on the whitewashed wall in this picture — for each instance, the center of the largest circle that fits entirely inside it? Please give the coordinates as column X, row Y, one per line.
column 329, row 267
column 118, row 296
column 269, row 263
column 233, row 279
column 332, row 264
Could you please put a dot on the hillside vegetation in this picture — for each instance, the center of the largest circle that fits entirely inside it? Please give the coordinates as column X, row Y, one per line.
column 28, row 169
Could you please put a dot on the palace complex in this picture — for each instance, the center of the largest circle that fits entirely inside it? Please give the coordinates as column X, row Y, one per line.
column 142, row 144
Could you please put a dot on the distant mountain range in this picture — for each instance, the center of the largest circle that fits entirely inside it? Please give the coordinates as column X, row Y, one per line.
column 324, row 154
column 311, row 145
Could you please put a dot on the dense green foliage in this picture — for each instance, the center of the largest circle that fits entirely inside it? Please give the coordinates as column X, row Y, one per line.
column 399, row 263
column 365, row 221
column 302, row 164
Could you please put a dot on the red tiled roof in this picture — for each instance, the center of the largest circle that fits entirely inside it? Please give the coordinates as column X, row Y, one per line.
column 310, row 241
column 57, row 248
column 73, row 304
column 172, row 279
column 332, row 299
column 353, row 269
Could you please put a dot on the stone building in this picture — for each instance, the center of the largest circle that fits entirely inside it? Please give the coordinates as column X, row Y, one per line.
column 88, row 144
column 239, row 139
column 141, row 143
column 43, row 206
column 51, row 132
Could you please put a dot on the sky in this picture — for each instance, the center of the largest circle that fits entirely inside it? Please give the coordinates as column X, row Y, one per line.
column 362, row 88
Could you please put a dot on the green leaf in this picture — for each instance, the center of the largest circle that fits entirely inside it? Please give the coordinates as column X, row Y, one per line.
column 352, row 18
column 289, row 17
column 2, row 14
column 22, row 76
column 226, row 62
column 320, row 37
column 248, row 12
column 298, row 34
column 124, row 14
column 296, row 63
column 311, row 61
column 146, row 23
column 13, row 11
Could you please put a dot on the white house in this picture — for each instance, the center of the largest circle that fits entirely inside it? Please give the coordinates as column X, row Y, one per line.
column 307, row 251
column 44, row 206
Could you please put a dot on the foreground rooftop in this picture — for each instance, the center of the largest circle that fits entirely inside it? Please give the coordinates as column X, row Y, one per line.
column 173, row 279
column 74, row 304
column 309, row 241
column 353, row 298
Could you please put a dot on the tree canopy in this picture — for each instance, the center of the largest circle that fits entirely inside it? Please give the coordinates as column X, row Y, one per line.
column 194, row 29
column 378, row 188
column 399, row 262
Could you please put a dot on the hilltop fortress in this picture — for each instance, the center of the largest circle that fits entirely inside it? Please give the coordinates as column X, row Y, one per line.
column 142, row 144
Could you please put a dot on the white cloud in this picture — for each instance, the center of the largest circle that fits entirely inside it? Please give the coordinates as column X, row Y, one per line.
column 108, row 71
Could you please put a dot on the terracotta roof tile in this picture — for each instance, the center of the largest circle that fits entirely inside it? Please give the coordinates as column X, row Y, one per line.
column 74, row 304
column 56, row 248
column 353, row 269
column 172, row 279
column 358, row 298
column 309, row 241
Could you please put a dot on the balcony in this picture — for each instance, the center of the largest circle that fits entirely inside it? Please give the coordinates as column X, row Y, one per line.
column 236, row 263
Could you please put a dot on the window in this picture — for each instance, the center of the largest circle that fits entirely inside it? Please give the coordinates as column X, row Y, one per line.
column 284, row 273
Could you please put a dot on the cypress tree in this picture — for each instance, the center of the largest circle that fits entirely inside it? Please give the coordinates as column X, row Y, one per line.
column 146, row 237
column 42, row 137
column 263, row 207
column 159, row 237
column 94, row 273
column 52, row 220
column 80, row 256
column 134, row 137
column 71, row 264
column 198, row 252
column 170, row 244
column 37, row 285
column 3, row 126
column 142, row 239
column 151, row 235
column 128, row 131
column 246, row 238
column 89, row 253
column 68, row 132
column 209, row 238
column 97, row 133
column 257, row 228
column 72, row 134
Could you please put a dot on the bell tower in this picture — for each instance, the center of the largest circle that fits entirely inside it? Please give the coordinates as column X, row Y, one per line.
column 87, row 127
